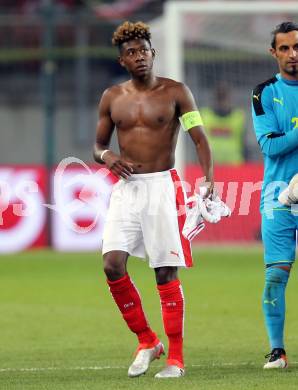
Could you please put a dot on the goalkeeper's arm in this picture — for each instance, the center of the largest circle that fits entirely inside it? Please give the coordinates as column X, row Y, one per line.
column 275, row 145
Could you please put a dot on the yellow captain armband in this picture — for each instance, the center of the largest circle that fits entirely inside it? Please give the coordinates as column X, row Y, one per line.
column 190, row 120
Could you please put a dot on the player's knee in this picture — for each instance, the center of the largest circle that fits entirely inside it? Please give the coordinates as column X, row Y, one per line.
column 276, row 275
column 165, row 274
column 113, row 268
column 276, row 280
column 112, row 272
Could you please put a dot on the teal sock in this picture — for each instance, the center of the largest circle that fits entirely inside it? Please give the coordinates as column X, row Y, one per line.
column 274, row 304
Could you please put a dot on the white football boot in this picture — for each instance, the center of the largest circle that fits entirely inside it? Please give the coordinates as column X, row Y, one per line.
column 170, row 371
column 144, row 356
column 277, row 359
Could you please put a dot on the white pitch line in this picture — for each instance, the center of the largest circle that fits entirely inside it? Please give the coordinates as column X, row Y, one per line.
column 32, row 369
column 234, row 364
column 100, row 368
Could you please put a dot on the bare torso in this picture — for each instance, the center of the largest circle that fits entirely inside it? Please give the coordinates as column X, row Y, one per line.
column 147, row 124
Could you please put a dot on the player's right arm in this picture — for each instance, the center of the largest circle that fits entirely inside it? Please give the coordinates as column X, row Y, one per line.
column 104, row 130
column 274, row 142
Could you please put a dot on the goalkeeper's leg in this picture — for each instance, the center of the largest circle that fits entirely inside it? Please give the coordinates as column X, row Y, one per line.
column 279, row 238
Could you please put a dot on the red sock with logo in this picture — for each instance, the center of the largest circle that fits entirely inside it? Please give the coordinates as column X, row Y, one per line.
column 129, row 302
column 172, row 304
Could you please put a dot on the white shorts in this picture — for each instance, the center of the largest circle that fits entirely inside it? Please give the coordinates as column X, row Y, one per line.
column 146, row 215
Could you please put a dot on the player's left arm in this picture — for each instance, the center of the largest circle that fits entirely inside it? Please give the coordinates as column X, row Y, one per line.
column 274, row 142
column 192, row 123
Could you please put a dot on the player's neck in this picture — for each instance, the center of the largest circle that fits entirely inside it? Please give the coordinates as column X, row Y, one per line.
column 145, row 82
column 289, row 77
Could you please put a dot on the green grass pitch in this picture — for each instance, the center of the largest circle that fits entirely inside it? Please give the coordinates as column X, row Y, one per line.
column 59, row 328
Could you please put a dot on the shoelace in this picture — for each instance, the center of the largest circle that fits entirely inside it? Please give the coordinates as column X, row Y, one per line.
column 141, row 347
column 272, row 356
column 141, row 357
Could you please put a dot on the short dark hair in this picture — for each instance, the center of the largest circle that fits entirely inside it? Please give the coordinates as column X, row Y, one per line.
column 129, row 31
column 284, row 27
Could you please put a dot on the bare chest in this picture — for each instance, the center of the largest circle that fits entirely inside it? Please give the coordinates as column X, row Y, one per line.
column 152, row 110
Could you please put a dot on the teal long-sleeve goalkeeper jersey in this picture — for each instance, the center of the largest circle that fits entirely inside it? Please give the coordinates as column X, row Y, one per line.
column 275, row 119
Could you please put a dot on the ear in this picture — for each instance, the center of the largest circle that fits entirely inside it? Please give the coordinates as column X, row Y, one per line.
column 120, row 60
column 273, row 52
column 153, row 52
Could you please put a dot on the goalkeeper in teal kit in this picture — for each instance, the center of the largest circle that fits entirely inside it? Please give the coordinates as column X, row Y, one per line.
column 275, row 117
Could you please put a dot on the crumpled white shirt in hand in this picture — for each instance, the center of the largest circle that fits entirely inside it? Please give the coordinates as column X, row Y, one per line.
column 199, row 209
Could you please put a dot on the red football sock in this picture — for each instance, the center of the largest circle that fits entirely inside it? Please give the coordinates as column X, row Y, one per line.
column 172, row 304
column 129, row 302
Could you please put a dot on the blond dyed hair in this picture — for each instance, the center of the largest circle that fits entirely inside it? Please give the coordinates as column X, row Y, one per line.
column 129, row 30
